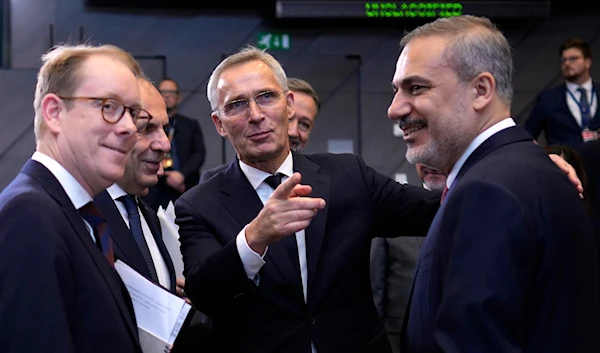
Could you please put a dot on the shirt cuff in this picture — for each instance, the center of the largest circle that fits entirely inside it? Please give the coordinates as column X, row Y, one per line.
column 251, row 260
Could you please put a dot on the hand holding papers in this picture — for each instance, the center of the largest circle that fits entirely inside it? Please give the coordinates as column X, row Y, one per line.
column 159, row 313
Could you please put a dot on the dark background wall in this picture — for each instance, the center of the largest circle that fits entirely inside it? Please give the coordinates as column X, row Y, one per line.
column 350, row 64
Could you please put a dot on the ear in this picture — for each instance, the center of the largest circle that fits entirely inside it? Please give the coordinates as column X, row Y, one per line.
column 289, row 98
column 52, row 106
column 588, row 63
column 484, row 87
column 218, row 124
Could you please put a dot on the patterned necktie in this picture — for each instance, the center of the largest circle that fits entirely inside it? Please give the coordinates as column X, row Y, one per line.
column 444, row 194
column 96, row 219
column 135, row 224
column 584, row 106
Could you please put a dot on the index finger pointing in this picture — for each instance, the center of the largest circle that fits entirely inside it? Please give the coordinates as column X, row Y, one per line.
column 284, row 190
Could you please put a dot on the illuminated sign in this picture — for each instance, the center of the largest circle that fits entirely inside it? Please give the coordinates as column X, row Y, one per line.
column 413, row 9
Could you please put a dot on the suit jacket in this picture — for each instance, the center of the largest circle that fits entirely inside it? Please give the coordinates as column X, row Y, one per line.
column 59, row 293
column 590, row 156
column 207, row 174
column 509, row 263
column 339, row 315
column 551, row 114
column 124, row 244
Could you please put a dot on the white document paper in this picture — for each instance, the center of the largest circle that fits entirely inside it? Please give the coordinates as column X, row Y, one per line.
column 170, row 233
column 159, row 313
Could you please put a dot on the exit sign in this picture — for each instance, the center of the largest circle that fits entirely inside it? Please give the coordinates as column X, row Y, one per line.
column 276, row 41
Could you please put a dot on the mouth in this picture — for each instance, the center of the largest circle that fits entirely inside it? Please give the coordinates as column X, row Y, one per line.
column 259, row 135
column 116, row 149
column 412, row 126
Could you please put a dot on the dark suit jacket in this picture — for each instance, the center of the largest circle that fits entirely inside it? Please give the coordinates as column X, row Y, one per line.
column 191, row 152
column 509, row 263
column 273, row 316
column 590, row 156
column 59, row 294
column 207, row 174
column 192, row 338
column 124, row 244
column 551, row 114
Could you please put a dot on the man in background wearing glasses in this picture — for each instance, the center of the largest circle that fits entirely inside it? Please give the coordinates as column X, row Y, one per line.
column 182, row 164
column 60, row 292
column 568, row 113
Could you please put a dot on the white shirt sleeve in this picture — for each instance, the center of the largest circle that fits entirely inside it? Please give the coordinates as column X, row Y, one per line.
column 251, row 260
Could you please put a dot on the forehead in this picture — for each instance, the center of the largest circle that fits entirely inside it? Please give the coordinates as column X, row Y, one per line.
column 421, row 57
column 106, row 77
column 168, row 84
column 304, row 105
column 246, row 79
column 154, row 104
column 572, row 52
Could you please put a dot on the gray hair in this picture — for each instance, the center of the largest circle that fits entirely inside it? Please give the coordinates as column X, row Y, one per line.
column 245, row 55
column 476, row 45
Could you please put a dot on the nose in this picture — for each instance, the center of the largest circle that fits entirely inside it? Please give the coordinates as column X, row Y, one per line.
column 161, row 142
column 125, row 126
column 400, row 107
column 254, row 111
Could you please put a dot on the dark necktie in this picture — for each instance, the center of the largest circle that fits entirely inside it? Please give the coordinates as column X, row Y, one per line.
column 444, row 194
column 289, row 241
column 135, row 224
column 584, row 106
column 96, row 219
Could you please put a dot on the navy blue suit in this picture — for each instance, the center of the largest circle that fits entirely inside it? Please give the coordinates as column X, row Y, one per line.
column 273, row 316
column 59, row 293
column 124, row 244
column 509, row 263
column 551, row 114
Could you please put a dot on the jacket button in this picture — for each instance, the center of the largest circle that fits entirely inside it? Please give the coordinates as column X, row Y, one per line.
column 312, row 320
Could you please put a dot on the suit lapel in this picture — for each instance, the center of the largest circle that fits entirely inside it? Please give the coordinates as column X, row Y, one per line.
column 315, row 233
column 125, row 246
column 154, row 225
column 111, row 277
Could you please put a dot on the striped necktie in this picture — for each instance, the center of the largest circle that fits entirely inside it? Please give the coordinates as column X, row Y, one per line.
column 96, row 219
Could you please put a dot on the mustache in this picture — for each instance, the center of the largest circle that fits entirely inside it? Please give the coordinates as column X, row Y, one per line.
column 407, row 122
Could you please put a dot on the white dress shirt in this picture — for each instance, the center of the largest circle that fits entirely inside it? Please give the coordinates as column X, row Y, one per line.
column 115, row 191
column 499, row 126
column 76, row 193
column 574, row 105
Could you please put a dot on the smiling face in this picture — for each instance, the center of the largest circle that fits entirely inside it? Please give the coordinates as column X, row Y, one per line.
column 432, row 178
column 302, row 122
column 260, row 133
column 431, row 105
column 145, row 159
column 91, row 149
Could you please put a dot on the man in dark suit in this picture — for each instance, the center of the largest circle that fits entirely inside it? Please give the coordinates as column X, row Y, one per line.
column 393, row 262
column 560, row 112
column 509, row 263
column 182, row 164
column 136, row 232
column 60, row 292
column 276, row 272
column 306, row 107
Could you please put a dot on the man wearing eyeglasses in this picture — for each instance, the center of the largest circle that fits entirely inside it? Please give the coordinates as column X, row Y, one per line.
column 306, row 107
column 568, row 113
column 60, row 292
column 182, row 164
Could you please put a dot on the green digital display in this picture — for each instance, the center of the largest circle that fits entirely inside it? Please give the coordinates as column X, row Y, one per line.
column 412, row 9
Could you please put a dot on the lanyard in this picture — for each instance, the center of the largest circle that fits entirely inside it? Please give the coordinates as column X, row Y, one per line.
column 171, row 130
column 579, row 104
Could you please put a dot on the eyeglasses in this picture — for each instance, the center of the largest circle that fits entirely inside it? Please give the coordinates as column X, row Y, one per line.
column 241, row 106
column 113, row 110
column 570, row 59
column 168, row 92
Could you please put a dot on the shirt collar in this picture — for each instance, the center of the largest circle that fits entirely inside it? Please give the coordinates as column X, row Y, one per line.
column 257, row 176
column 572, row 87
column 115, row 191
column 481, row 138
column 76, row 193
